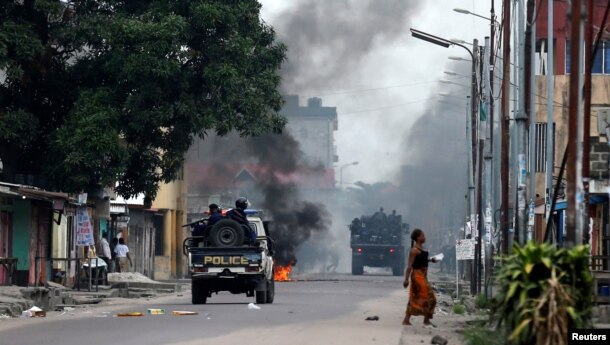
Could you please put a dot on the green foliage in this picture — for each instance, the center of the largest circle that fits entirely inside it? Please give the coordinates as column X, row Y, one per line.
column 482, row 336
column 103, row 91
column 459, row 309
column 482, row 302
column 545, row 290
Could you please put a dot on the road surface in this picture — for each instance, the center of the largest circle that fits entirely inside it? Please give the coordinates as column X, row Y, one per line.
column 320, row 310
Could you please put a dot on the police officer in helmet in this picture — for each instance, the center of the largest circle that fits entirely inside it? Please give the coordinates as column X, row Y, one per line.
column 238, row 214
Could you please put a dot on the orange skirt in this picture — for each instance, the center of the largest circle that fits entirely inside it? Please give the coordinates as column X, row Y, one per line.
column 421, row 296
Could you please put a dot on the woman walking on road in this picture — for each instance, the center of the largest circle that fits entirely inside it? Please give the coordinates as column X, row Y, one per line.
column 421, row 296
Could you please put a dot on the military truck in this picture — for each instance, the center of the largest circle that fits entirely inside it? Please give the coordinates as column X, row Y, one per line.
column 223, row 260
column 379, row 241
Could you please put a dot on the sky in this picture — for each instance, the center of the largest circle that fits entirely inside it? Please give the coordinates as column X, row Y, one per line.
column 359, row 56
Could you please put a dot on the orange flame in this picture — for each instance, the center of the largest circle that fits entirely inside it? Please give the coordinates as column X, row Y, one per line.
column 282, row 273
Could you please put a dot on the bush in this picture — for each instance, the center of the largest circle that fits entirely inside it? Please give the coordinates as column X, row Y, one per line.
column 459, row 309
column 482, row 302
column 482, row 336
column 545, row 290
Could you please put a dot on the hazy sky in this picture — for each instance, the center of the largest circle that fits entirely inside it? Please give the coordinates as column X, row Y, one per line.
column 340, row 48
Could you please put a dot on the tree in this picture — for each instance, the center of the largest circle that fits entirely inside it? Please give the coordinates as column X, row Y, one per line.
column 98, row 92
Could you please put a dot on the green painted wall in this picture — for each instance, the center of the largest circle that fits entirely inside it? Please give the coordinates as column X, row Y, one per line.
column 103, row 228
column 22, row 211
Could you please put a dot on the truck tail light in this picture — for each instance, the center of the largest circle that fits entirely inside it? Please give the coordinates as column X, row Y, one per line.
column 200, row 269
column 392, row 250
column 359, row 250
column 253, row 269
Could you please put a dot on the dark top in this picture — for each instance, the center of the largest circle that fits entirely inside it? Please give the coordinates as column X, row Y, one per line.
column 421, row 260
column 214, row 218
column 238, row 216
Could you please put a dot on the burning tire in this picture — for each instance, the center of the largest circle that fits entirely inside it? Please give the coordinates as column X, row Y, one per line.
column 199, row 294
column 270, row 291
column 227, row 233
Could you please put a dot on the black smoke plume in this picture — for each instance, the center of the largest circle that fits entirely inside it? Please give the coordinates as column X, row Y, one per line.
column 328, row 40
column 278, row 159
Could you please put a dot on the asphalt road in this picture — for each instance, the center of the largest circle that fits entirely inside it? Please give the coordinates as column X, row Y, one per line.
column 320, row 310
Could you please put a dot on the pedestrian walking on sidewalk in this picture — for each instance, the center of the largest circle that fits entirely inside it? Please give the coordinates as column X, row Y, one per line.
column 122, row 254
column 421, row 296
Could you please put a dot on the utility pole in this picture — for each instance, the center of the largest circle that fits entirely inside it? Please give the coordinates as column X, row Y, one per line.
column 481, row 220
column 550, row 96
column 490, row 189
column 469, row 174
column 586, row 146
column 573, row 230
column 521, row 130
column 505, row 123
column 486, row 171
column 530, row 38
column 478, row 161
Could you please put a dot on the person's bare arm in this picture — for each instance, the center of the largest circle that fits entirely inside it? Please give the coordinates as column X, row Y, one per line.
column 412, row 254
column 129, row 257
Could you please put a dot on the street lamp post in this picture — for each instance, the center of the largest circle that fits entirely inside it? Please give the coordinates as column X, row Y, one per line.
column 341, row 172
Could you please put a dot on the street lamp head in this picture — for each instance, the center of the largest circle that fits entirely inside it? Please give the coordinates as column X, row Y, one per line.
column 444, row 94
column 457, row 58
column 457, row 40
column 430, row 38
column 450, row 73
column 445, row 81
column 461, row 10
column 355, row 163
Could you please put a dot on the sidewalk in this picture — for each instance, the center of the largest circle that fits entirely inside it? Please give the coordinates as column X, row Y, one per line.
column 15, row 299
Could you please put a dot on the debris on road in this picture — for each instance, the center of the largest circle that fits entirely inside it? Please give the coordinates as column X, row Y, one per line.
column 4, row 317
column 129, row 314
column 155, row 311
column 438, row 340
column 253, row 306
column 182, row 313
column 372, row 318
column 34, row 312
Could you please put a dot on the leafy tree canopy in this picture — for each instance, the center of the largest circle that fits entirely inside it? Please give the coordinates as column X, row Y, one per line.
column 98, row 92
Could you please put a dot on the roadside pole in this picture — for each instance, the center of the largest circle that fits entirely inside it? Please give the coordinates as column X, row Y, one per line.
column 522, row 122
column 474, row 104
column 505, row 122
column 457, row 276
column 530, row 34
column 574, row 190
column 550, row 91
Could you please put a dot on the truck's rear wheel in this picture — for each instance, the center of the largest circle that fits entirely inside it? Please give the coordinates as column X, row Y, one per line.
column 199, row 294
column 397, row 270
column 357, row 267
column 270, row 291
column 261, row 297
column 227, row 233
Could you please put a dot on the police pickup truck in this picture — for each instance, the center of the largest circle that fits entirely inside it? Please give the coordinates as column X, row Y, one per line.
column 221, row 260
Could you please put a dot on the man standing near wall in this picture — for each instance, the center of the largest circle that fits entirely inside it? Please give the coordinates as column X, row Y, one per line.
column 105, row 252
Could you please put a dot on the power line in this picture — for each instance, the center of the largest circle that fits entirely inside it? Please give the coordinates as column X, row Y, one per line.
column 329, row 93
column 382, row 108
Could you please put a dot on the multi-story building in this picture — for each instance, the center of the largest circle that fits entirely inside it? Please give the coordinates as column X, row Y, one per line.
column 313, row 126
column 598, row 234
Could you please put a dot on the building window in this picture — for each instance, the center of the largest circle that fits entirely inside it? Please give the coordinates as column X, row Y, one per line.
column 541, row 146
column 601, row 65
